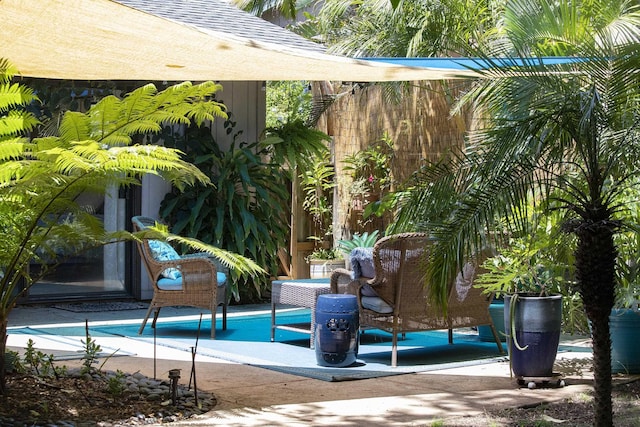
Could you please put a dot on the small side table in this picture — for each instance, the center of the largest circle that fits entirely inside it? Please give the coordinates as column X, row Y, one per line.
column 299, row 293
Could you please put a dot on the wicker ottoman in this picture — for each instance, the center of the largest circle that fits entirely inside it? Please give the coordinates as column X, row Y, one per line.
column 298, row 293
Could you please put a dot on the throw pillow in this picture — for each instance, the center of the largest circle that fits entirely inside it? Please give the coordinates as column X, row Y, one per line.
column 162, row 251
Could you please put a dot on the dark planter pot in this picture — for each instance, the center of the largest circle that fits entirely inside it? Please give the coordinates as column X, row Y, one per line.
column 624, row 327
column 537, row 324
column 496, row 311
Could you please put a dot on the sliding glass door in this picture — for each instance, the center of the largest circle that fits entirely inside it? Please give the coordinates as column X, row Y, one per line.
column 94, row 273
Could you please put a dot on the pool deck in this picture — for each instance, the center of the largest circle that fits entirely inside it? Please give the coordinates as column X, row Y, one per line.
column 252, row 396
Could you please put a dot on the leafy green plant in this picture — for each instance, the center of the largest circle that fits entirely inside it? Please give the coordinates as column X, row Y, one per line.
column 36, row 362
column 318, row 184
column 294, row 145
column 92, row 351
column 246, row 212
column 628, row 272
column 370, row 169
column 628, row 244
column 364, row 240
column 324, row 254
column 116, row 385
column 287, row 101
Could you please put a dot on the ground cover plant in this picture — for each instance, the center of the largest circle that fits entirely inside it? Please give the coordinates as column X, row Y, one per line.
column 46, row 392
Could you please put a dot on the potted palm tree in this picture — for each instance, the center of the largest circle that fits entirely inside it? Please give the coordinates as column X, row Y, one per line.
column 569, row 125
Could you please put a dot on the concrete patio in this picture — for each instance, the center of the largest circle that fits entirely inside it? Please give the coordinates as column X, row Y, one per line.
column 251, row 396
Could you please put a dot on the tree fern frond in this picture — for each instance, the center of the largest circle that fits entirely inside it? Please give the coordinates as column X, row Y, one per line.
column 12, row 149
column 104, row 116
column 74, row 127
column 16, row 122
column 14, row 95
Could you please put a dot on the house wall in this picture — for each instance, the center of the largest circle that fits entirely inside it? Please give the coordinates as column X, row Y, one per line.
column 247, row 102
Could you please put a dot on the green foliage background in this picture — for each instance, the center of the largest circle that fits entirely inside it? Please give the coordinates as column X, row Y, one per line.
column 245, row 212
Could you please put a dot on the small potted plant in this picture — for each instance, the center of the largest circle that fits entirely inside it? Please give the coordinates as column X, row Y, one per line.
column 322, row 262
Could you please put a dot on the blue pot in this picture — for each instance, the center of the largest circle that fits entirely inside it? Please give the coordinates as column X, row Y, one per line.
column 537, row 323
column 496, row 311
column 624, row 327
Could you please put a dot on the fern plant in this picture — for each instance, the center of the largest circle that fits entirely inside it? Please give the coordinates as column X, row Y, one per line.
column 41, row 178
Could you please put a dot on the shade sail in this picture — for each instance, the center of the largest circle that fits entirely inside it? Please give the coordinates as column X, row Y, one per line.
column 107, row 40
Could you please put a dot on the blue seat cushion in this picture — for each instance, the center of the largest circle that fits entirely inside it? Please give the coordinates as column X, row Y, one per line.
column 376, row 304
column 167, row 284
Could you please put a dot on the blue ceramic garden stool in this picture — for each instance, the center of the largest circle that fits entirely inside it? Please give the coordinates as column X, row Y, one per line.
column 337, row 330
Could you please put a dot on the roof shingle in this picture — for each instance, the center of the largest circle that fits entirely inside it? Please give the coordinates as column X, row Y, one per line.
column 219, row 16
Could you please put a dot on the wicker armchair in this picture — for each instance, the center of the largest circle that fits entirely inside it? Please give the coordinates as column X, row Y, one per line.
column 396, row 299
column 190, row 280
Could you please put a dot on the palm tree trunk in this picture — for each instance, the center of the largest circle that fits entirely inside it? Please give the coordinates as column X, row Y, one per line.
column 595, row 274
column 602, row 371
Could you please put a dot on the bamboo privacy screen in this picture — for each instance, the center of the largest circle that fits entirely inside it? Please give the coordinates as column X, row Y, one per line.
column 419, row 125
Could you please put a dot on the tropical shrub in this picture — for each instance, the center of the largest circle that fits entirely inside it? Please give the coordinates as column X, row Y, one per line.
column 246, row 211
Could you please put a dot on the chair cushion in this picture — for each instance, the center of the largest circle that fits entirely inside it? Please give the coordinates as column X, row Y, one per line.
column 376, row 304
column 162, row 251
column 167, row 284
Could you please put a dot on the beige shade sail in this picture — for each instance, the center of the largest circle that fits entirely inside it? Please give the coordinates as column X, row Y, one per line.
column 106, row 40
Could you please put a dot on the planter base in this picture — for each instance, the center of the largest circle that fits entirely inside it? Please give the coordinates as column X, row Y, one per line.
column 555, row 380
